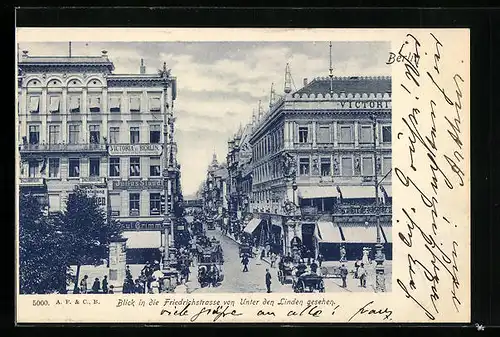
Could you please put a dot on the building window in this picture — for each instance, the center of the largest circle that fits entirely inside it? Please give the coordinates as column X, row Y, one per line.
column 135, row 104
column 154, row 104
column 154, row 133
column 134, row 135
column 154, row 167
column 54, row 134
column 94, row 167
column 347, row 166
column 135, row 166
column 114, row 135
column 95, row 134
column 34, row 104
column 303, row 134
column 34, row 134
column 54, row 104
column 114, row 167
column 115, row 104
column 387, row 165
column 326, row 166
column 366, row 134
column 323, row 135
column 367, row 166
column 304, row 166
column 346, row 134
column 54, row 167
column 74, row 167
column 94, row 103
column 154, row 203
column 33, row 168
column 115, row 201
column 74, row 104
column 386, row 134
column 74, row 134
column 134, row 204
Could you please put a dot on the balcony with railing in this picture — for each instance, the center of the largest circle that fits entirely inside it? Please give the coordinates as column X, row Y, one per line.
column 38, row 148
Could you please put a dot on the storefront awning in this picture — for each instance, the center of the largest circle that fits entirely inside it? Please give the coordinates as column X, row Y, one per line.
column 252, row 225
column 311, row 192
column 328, row 232
column 359, row 234
column 387, row 234
column 387, row 189
column 357, row 192
column 150, row 239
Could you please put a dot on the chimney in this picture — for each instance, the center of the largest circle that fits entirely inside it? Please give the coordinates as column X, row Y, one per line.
column 305, row 82
column 143, row 67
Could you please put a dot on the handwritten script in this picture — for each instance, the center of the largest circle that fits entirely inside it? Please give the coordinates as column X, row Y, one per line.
column 432, row 135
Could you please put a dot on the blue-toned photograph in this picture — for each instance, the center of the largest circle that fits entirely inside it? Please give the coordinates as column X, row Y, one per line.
column 204, row 167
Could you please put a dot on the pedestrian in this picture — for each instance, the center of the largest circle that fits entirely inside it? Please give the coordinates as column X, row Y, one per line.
column 128, row 273
column 343, row 274
column 308, row 254
column 96, row 286
column 185, row 272
column 268, row 280
column 273, row 260
column 314, row 267
column 105, row 284
column 138, row 287
column 362, row 275
column 83, row 284
column 320, row 259
column 262, row 254
column 245, row 261
column 111, row 289
column 356, row 270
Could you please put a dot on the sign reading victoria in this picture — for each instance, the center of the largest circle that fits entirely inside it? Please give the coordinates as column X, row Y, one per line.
column 135, row 149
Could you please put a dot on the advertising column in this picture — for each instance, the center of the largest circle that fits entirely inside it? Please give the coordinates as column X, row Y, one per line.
column 117, row 262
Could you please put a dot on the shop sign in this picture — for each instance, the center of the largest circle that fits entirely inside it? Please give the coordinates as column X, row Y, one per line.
column 135, row 149
column 138, row 184
column 141, row 225
column 101, row 195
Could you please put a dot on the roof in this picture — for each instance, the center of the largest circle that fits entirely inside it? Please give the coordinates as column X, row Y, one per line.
column 65, row 60
column 353, row 84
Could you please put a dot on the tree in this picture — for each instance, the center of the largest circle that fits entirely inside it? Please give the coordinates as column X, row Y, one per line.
column 87, row 230
column 42, row 260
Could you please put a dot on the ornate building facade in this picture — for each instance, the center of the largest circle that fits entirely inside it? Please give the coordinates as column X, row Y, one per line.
column 215, row 193
column 81, row 124
column 320, row 156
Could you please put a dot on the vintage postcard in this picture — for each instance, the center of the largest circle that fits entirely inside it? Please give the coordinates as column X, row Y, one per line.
column 243, row 175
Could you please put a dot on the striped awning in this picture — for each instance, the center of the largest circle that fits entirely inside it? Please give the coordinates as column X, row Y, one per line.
column 252, row 225
column 328, row 232
column 143, row 239
column 312, row 192
column 359, row 234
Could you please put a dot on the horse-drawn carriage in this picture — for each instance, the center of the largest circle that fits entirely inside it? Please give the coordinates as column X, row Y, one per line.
column 245, row 249
column 308, row 283
column 210, row 270
column 285, row 273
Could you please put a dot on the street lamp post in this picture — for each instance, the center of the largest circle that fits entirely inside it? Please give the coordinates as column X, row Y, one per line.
column 379, row 255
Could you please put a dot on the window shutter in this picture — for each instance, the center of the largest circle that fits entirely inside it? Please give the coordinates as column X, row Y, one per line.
column 54, row 103
column 155, row 104
column 135, row 104
column 114, row 102
column 34, row 103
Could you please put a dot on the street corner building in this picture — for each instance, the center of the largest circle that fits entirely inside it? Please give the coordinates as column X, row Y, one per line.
column 314, row 170
column 81, row 124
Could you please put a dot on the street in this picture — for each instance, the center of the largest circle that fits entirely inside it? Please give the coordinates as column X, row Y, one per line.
column 235, row 280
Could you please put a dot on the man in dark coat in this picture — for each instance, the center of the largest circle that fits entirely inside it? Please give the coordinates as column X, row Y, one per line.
column 268, row 281
column 105, row 284
column 245, row 261
column 96, row 286
column 343, row 275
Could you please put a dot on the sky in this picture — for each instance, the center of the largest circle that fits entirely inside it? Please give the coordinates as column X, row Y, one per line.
column 219, row 84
